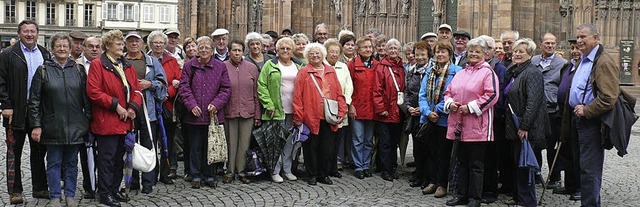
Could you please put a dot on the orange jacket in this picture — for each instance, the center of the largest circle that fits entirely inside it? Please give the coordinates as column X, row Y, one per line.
column 307, row 102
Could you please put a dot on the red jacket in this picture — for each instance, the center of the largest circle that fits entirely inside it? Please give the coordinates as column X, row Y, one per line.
column 172, row 71
column 105, row 90
column 362, row 77
column 385, row 94
column 308, row 104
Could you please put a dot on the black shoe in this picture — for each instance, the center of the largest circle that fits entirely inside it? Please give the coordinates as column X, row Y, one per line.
column 394, row 175
column 109, row 201
column 457, row 201
column 188, row 178
column 172, row 174
column 88, row 194
column 488, row 199
column 213, row 184
column 147, row 189
column 312, row 181
column 166, row 181
column 576, row 196
column 538, row 178
column 553, row 184
column 474, row 203
column 386, row 176
column 416, row 184
column 561, row 191
column 411, row 164
column 121, row 197
column 41, row 194
column 367, row 173
column 336, row 175
column 196, row 184
column 359, row 174
column 134, row 187
column 325, row 180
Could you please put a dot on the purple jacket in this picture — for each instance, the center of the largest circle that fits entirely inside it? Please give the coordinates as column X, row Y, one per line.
column 208, row 85
column 243, row 101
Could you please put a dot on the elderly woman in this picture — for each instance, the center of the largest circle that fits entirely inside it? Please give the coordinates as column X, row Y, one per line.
column 312, row 79
column 525, row 97
column 275, row 91
column 301, row 40
column 62, row 133
column 181, row 144
column 381, row 47
column 348, row 43
column 112, row 88
column 190, row 48
column 172, row 75
column 362, row 71
column 255, row 43
column 469, row 101
column 436, row 80
column 343, row 141
column 204, row 89
column 407, row 49
column 242, row 111
column 389, row 84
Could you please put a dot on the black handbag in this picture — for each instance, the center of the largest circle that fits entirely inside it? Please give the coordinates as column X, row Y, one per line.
column 425, row 129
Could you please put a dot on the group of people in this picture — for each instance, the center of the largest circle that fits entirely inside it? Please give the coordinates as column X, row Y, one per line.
column 356, row 96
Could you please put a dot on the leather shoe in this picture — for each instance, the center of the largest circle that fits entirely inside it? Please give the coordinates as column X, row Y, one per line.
column 430, row 189
column 109, row 201
column 166, row 181
column 386, row 176
column 227, row 178
column 196, row 184
column 457, row 201
column 336, row 175
column 367, row 173
column 172, row 174
column 16, row 198
column 188, row 178
column 147, row 189
column 245, row 180
column 41, row 194
column 213, row 184
column 359, row 174
column 474, row 203
column 415, row 184
column 488, row 199
column 553, row 184
column 576, row 196
column 312, row 181
column 325, row 180
column 561, row 191
column 121, row 197
column 88, row 195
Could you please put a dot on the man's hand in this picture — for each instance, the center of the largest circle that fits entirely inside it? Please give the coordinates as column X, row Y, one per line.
column 414, row 111
column 36, row 133
column 8, row 114
column 144, row 84
column 579, row 110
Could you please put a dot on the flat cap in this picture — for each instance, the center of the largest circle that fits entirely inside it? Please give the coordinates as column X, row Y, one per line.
column 219, row 32
column 78, row 35
column 462, row 33
column 428, row 34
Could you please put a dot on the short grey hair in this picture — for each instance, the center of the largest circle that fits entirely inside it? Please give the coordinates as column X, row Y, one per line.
column 203, row 39
column 593, row 30
column 316, row 47
column 155, row 34
column 531, row 45
column 374, row 31
column 516, row 34
column 252, row 36
column 266, row 37
column 393, row 41
column 321, row 25
column 300, row 36
column 490, row 41
column 84, row 43
column 60, row 36
column 478, row 42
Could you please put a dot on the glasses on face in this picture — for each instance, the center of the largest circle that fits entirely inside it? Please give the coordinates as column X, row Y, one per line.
column 61, row 47
column 158, row 43
column 205, row 48
column 284, row 49
column 322, row 34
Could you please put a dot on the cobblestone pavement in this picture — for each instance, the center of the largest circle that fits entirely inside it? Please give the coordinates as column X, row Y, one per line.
column 619, row 188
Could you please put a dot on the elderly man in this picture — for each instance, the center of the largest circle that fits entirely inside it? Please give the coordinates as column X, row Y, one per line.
column 444, row 32
column 321, row 33
column 153, row 82
column 460, row 40
column 431, row 38
column 173, row 46
column 77, row 47
column 550, row 65
column 18, row 65
column 597, row 70
column 221, row 40
column 508, row 38
column 92, row 50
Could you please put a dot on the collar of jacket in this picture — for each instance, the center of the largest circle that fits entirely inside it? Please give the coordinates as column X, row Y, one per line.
column 166, row 57
column 477, row 66
column 359, row 62
column 327, row 69
column 106, row 63
column 17, row 50
column 50, row 62
column 209, row 65
column 389, row 63
column 516, row 69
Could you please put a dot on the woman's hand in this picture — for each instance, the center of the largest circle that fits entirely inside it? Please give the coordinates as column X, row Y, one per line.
column 384, row 113
column 131, row 114
column 196, row 111
column 36, row 133
column 212, row 108
column 414, row 111
column 454, row 106
column 257, row 122
column 175, row 83
column 464, row 109
column 433, row 117
column 122, row 113
column 340, row 120
column 522, row 134
column 352, row 111
column 270, row 113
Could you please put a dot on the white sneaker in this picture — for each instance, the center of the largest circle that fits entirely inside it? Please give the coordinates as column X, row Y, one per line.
column 290, row 177
column 277, row 178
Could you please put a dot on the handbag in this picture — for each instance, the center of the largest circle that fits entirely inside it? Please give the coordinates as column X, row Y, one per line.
column 254, row 166
column 330, row 106
column 400, row 99
column 216, row 142
column 144, row 159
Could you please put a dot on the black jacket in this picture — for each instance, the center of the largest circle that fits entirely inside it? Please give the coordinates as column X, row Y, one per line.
column 526, row 97
column 13, row 84
column 58, row 103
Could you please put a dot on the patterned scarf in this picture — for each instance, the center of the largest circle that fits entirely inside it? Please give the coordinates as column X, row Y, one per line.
column 435, row 88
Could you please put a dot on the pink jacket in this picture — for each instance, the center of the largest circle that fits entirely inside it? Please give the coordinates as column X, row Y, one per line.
column 476, row 86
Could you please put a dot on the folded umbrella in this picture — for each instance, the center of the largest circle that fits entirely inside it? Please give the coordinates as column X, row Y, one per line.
column 453, row 161
column 271, row 137
column 129, row 142
column 527, row 157
column 91, row 161
column 11, row 165
column 163, row 132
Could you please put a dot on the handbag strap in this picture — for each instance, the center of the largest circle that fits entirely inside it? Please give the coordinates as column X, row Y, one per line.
column 146, row 120
column 394, row 80
column 317, row 86
column 584, row 94
column 214, row 117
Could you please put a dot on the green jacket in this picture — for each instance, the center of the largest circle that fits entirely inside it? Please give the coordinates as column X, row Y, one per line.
column 269, row 89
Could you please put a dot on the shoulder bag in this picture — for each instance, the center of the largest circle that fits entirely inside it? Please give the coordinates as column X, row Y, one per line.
column 144, row 159
column 330, row 106
column 400, row 100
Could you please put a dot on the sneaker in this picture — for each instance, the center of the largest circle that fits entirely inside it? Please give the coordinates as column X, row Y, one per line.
column 55, row 202
column 277, row 178
column 440, row 192
column 290, row 176
column 71, row 202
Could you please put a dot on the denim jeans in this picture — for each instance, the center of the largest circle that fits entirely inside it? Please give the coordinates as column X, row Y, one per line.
column 58, row 155
column 286, row 157
column 591, row 159
column 362, row 143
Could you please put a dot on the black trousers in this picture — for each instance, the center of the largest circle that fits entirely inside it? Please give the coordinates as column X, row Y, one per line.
column 471, row 159
column 490, row 183
column 420, row 156
column 110, row 163
column 570, row 152
column 170, row 129
column 525, row 188
column 185, row 149
column 339, row 139
column 318, row 151
column 149, row 178
column 506, row 164
column 551, row 139
column 389, row 136
column 439, row 156
column 36, row 159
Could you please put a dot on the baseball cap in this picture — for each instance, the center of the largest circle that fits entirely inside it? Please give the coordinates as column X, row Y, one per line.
column 132, row 34
column 428, row 34
column 171, row 31
column 445, row 26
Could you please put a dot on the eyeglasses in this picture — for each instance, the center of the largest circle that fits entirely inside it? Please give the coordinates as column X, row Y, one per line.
column 158, row 43
column 284, row 49
column 204, row 48
column 61, row 47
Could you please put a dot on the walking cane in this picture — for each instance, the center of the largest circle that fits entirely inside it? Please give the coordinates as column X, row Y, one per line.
column 553, row 164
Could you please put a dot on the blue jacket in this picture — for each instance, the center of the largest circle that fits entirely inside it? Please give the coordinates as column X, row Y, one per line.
column 158, row 91
column 425, row 106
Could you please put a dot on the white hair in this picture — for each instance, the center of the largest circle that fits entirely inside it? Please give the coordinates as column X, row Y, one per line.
column 345, row 32
column 155, row 34
column 317, row 47
column 531, row 45
column 395, row 42
column 490, row 41
column 516, row 35
column 252, row 36
column 478, row 42
column 321, row 25
column 300, row 36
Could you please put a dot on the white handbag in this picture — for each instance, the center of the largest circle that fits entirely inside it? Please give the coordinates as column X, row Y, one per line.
column 400, row 99
column 144, row 159
column 330, row 106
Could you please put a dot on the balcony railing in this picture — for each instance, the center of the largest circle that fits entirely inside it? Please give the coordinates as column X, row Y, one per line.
column 70, row 22
column 89, row 23
column 9, row 20
column 52, row 21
